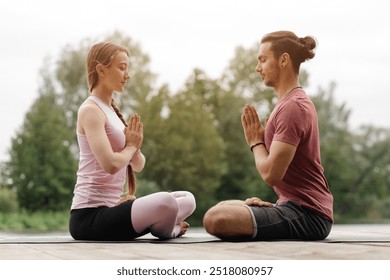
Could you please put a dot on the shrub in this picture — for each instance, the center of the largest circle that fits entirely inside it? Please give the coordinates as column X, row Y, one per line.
column 8, row 201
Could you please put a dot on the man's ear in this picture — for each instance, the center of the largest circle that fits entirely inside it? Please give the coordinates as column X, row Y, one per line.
column 101, row 70
column 284, row 60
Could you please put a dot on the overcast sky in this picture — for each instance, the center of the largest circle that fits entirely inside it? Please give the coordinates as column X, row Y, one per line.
column 179, row 35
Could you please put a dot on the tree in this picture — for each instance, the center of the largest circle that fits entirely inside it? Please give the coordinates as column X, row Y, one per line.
column 41, row 166
column 241, row 179
column 356, row 163
column 369, row 192
column 336, row 140
column 184, row 150
column 240, row 84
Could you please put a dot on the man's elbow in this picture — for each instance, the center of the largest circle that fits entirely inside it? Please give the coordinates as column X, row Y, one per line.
column 270, row 181
column 271, row 178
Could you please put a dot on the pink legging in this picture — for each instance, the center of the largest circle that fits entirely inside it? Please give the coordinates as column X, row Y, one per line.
column 162, row 212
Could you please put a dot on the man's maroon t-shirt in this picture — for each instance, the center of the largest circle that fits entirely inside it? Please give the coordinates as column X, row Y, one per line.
column 294, row 121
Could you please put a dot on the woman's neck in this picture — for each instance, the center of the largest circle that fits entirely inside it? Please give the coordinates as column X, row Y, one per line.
column 103, row 94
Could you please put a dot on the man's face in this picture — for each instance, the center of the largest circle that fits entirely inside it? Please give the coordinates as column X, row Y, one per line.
column 267, row 65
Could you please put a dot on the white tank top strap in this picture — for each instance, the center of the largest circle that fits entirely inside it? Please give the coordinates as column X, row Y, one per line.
column 108, row 110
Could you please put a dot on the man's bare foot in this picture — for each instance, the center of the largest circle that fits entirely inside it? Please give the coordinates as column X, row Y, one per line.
column 183, row 228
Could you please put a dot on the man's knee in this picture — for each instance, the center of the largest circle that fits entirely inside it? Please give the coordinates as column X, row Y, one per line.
column 212, row 221
column 220, row 216
column 228, row 221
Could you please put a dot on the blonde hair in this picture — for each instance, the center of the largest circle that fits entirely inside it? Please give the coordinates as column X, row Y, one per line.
column 104, row 53
column 101, row 53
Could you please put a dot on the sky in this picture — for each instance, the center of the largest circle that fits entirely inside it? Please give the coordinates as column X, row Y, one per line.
column 353, row 44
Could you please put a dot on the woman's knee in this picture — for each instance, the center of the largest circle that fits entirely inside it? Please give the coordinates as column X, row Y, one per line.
column 156, row 204
column 166, row 203
column 190, row 201
column 186, row 202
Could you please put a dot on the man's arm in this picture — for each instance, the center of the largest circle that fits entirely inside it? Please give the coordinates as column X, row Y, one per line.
column 273, row 165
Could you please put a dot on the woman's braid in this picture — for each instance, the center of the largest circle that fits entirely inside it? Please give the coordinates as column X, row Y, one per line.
column 130, row 174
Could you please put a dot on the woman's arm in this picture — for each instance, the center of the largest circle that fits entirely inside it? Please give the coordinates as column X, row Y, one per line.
column 137, row 162
column 91, row 122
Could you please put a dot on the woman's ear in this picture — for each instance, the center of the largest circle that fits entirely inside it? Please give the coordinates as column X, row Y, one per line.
column 101, row 70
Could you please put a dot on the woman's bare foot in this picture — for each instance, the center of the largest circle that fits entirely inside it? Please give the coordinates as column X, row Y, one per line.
column 183, row 228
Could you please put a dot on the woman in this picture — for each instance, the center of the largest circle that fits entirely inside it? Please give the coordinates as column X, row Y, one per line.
column 108, row 148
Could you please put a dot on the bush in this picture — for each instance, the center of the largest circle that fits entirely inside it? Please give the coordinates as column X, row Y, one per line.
column 8, row 201
column 24, row 221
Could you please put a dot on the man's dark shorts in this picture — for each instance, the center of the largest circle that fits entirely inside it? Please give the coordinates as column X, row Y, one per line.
column 288, row 221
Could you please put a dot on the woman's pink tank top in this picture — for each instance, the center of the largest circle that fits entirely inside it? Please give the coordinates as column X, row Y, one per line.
column 95, row 187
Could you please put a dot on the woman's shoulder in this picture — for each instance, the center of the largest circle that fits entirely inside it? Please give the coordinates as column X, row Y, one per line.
column 89, row 107
column 90, row 114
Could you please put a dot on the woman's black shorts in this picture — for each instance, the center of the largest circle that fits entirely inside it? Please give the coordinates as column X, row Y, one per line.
column 103, row 223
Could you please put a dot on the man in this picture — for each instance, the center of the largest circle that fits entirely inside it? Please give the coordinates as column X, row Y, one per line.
column 286, row 153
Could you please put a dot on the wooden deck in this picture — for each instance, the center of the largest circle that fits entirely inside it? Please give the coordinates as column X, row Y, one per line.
column 351, row 251
column 346, row 242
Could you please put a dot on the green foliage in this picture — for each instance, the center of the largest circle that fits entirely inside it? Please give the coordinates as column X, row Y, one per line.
column 356, row 163
column 8, row 201
column 71, row 77
column 145, row 187
column 42, row 167
column 188, row 152
column 336, row 148
column 238, row 85
column 40, row 221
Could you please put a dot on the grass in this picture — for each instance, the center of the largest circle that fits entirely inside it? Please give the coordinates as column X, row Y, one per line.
column 24, row 221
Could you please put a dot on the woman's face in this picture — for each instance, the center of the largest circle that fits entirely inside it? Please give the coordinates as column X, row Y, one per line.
column 118, row 72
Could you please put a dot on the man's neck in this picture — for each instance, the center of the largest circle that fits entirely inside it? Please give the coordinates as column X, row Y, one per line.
column 285, row 86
